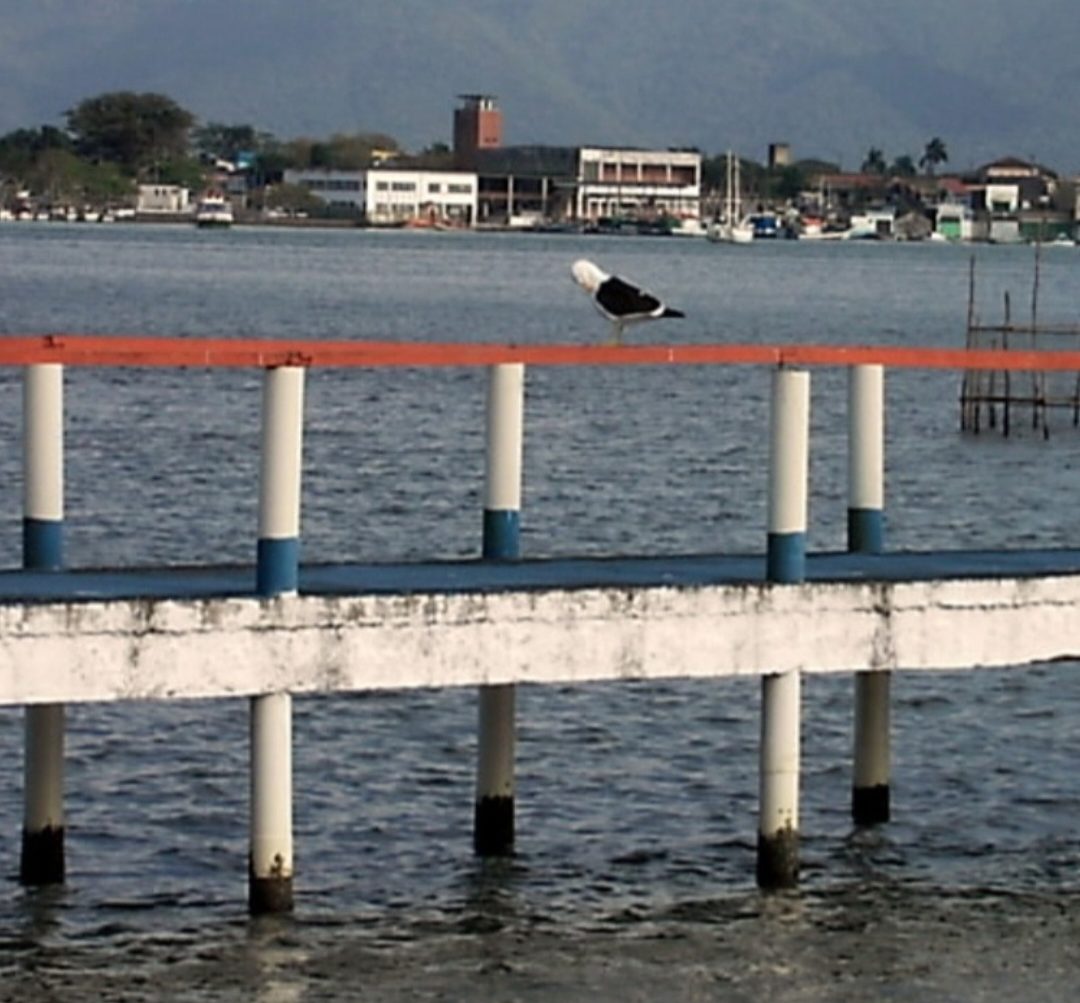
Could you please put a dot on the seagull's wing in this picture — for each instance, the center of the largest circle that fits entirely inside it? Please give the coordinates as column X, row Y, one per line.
column 621, row 299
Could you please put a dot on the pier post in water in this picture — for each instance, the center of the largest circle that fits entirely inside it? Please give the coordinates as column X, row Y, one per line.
column 270, row 872
column 778, row 825
column 42, row 860
column 493, row 825
column 866, row 534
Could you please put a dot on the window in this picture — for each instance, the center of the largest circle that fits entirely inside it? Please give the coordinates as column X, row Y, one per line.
column 403, row 186
column 434, row 188
column 459, row 189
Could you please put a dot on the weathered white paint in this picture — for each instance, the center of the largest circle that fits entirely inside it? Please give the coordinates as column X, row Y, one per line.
column 505, row 416
column 872, row 753
column 495, row 746
column 43, row 795
column 282, row 436
column 778, row 777
column 789, row 451
column 147, row 649
column 866, row 437
column 271, row 787
column 43, row 442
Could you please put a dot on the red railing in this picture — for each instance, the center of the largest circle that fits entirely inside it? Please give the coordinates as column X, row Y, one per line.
column 108, row 350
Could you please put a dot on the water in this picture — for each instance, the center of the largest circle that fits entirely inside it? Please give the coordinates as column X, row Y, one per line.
column 636, row 803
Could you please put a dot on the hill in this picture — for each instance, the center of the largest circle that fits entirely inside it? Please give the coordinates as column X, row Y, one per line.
column 832, row 78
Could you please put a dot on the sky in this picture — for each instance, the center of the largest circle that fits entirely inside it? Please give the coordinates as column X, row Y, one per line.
column 833, row 78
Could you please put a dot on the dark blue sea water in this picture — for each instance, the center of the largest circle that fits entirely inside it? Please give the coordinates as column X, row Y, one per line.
column 636, row 803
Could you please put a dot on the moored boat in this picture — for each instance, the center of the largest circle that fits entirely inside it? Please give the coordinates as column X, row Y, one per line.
column 213, row 211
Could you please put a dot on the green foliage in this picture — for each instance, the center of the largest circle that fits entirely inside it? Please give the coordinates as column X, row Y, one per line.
column 137, row 132
column 340, row 152
column 229, row 141
column 903, row 167
column 934, row 154
column 874, row 162
column 184, row 171
column 66, row 179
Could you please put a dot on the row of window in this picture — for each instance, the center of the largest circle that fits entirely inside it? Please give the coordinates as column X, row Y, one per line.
column 323, row 185
column 433, row 187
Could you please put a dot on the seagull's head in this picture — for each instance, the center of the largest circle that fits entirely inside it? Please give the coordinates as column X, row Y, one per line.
column 587, row 275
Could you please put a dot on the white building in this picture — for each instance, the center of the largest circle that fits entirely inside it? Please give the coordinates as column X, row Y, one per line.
column 393, row 196
column 163, row 199
column 639, row 183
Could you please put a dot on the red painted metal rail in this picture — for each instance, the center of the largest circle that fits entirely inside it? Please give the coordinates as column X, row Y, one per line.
column 108, row 350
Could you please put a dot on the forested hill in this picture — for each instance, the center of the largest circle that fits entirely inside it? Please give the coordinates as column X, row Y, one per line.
column 832, row 78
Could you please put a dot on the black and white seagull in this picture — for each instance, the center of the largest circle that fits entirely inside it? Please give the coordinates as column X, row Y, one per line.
column 618, row 300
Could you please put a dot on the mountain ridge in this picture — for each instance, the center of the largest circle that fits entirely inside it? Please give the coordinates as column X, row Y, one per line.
column 832, row 80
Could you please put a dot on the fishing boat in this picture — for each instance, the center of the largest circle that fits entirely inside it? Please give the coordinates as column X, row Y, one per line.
column 732, row 228
column 213, row 211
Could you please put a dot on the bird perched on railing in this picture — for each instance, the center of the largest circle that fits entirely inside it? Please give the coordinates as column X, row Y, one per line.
column 619, row 301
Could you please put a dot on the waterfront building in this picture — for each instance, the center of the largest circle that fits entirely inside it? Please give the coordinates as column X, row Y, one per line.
column 163, row 199
column 388, row 196
column 614, row 182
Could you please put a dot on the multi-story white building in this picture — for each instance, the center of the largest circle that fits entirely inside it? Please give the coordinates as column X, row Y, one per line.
column 614, row 182
column 391, row 196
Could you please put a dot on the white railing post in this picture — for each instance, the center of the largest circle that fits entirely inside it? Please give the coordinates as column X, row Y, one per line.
column 778, row 825
column 270, row 877
column 866, row 534
column 42, row 859
column 493, row 828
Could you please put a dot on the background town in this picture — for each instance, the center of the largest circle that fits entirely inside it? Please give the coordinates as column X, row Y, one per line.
column 143, row 157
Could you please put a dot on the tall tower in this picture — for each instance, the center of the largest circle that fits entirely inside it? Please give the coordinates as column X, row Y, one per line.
column 477, row 126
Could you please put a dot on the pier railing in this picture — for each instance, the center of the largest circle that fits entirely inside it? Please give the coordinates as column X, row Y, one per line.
column 276, row 575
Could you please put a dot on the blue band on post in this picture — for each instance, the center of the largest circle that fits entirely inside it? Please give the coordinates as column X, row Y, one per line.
column 43, row 544
column 502, row 534
column 866, row 530
column 786, row 557
column 277, row 567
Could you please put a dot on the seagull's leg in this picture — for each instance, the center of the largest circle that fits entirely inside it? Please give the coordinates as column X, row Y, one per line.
column 616, row 333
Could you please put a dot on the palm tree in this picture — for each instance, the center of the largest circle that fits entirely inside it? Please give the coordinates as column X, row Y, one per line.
column 934, row 154
column 874, row 162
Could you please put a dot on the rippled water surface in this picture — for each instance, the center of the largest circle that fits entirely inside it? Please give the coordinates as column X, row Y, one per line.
column 636, row 803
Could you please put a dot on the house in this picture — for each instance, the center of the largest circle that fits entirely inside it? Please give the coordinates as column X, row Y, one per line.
column 163, row 199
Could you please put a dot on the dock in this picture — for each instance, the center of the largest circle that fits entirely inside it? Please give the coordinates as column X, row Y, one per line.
column 278, row 628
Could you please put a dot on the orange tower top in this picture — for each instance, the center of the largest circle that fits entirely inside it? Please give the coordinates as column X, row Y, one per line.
column 477, row 126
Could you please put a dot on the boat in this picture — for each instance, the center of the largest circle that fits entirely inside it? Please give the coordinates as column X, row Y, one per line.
column 732, row 228
column 213, row 211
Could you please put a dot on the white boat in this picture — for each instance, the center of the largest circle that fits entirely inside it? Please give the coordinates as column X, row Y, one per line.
column 213, row 211
column 732, row 229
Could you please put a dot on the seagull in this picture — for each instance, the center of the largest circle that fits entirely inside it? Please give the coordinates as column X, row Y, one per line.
column 618, row 300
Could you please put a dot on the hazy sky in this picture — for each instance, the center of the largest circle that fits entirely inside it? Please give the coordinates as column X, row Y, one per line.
column 833, row 77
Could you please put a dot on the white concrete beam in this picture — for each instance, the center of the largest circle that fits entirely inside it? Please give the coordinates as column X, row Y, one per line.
column 161, row 649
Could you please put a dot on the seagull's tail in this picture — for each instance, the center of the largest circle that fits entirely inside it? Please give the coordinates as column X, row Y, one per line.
column 672, row 312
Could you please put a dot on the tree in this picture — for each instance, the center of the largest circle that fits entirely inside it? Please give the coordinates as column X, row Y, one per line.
column 138, row 132
column 874, row 162
column 21, row 149
column 934, row 154
column 228, row 142
column 903, row 167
